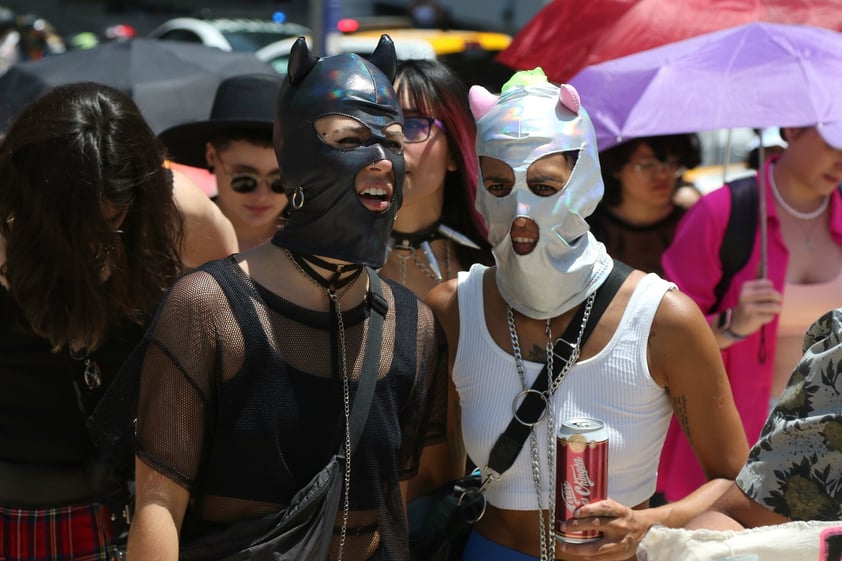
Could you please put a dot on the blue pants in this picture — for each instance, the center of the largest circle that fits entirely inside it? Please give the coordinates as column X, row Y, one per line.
column 480, row 548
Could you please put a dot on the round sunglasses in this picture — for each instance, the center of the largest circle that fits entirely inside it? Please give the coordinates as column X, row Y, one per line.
column 245, row 182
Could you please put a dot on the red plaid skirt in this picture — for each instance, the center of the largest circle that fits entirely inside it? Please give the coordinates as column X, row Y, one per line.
column 78, row 533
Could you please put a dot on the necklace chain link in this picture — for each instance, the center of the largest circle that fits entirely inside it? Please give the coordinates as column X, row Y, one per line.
column 335, row 297
column 546, row 528
column 424, row 267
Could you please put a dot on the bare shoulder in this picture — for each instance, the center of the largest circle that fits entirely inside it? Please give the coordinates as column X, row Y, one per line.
column 677, row 311
column 188, row 196
column 208, row 234
column 443, row 301
column 681, row 342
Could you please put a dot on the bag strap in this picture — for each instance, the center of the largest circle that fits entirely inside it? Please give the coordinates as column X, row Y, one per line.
column 371, row 360
column 505, row 451
column 738, row 240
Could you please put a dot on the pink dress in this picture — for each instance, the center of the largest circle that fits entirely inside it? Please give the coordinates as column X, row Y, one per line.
column 692, row 262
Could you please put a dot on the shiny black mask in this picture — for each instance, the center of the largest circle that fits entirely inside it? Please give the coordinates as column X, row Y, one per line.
column 326, row 217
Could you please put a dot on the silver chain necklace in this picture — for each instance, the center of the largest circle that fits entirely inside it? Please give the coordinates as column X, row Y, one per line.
column 411, row 254
column 346, row 395
column 545, row 529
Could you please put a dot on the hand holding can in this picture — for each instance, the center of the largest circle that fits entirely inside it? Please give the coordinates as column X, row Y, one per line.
column 581, row 473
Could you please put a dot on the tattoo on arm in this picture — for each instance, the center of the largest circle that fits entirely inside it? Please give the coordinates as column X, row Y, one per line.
column 679, row 405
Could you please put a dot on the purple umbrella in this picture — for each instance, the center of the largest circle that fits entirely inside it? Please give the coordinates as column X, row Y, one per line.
column 756, row 75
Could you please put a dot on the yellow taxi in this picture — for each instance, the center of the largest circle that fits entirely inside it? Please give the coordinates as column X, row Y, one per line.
column 469, row 53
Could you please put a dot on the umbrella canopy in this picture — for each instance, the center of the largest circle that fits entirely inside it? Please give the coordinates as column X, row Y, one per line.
column 171, row 82
column 568, row 35
column 756, row 75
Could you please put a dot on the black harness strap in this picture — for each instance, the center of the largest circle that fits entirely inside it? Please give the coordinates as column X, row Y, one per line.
column 509, row 444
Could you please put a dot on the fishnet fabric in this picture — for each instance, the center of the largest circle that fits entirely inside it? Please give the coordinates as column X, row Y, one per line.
column 239, row 404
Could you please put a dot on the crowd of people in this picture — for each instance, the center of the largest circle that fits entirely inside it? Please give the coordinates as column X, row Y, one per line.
column 390, row 266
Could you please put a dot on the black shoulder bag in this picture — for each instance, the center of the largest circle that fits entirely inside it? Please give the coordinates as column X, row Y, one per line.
column 303, row 530
column 440, row 532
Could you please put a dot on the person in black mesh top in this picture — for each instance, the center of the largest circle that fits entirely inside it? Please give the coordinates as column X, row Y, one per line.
column 241, row 396
column 90, row 233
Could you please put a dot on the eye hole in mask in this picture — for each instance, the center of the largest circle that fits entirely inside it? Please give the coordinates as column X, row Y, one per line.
column 545, row 177
column 347, row 133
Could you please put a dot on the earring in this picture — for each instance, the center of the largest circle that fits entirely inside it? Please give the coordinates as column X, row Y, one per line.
column 211, row 169
column 297, row 199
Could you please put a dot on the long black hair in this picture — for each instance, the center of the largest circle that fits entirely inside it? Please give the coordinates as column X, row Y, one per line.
column 86, row 209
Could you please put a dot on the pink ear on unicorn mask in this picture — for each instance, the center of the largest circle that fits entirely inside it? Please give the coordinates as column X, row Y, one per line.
column 481, row 100
column 569, row 97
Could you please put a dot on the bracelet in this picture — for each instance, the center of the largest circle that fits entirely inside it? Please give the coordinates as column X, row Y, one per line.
column 731, row 335
column 724, row 325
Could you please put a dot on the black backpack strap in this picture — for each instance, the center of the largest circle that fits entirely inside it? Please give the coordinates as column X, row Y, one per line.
column 509, row 444
column 371, row 360
column 738, row 240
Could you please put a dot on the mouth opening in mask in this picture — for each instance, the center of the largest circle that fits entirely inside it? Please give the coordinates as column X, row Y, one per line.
column 524, row 234
column 376, row 196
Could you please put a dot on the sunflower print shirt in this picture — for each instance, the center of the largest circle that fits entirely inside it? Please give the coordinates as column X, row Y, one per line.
column 795, row 469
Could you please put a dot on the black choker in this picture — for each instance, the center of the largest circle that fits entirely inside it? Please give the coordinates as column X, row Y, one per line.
column 413, row 240
column 334, row 282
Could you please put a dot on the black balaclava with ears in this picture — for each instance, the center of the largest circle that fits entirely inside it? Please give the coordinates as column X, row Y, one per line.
column 331, row 221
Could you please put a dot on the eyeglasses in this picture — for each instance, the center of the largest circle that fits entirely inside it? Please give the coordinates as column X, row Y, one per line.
column 652, row 167
column 245, row 182
column 417, row 129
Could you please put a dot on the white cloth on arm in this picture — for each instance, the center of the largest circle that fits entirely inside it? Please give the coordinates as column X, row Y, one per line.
column 793, row 541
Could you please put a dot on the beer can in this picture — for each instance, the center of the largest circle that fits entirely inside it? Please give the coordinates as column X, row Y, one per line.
column 581, row 473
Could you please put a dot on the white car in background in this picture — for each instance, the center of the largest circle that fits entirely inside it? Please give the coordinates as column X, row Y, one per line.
column 228, row 34
column 277, row 53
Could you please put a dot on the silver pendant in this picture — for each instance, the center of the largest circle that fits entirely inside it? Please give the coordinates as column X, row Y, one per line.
column 92, row 376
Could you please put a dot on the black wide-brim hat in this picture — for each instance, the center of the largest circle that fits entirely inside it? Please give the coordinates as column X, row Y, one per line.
column 241, row 103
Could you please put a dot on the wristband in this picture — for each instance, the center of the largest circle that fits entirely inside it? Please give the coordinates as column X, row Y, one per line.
column 731, row 335
column 724, row 326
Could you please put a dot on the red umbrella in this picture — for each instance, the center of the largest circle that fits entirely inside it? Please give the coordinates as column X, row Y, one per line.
column 568, row 35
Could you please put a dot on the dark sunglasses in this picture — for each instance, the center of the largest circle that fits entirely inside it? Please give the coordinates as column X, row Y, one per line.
column 245, row 182
column 417, row 129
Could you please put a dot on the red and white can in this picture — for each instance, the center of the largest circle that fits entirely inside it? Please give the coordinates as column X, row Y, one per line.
column 581, row 473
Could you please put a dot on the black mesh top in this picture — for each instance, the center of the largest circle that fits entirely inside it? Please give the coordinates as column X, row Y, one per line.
column 245, row 415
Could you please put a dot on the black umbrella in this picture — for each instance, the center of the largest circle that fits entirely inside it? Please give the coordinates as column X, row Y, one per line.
column 171, row 82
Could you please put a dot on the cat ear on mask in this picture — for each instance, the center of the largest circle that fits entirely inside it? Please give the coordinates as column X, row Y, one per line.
column 481, row 100
column 384, row 57
column 300, row 61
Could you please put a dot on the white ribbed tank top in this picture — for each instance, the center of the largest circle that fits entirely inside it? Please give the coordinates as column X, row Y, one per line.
column 614, row 386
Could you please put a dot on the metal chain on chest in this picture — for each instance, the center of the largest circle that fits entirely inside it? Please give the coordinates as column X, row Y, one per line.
column 406, row 254
column 546, row 529
column 346, row 397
